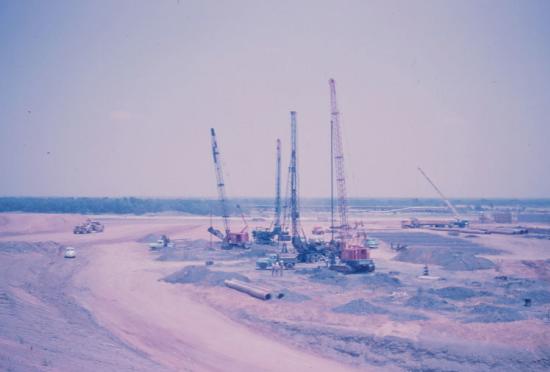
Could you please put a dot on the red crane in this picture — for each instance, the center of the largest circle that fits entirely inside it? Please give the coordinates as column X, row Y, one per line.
column 354, row 256
column 229, row 239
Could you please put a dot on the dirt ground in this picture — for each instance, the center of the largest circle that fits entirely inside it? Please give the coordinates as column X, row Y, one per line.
column 111, row 308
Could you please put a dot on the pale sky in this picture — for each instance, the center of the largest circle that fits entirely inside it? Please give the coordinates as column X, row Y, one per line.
column 116, row 98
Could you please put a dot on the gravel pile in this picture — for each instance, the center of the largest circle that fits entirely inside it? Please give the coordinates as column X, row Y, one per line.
column 149, row 238
column 360, row 307
column 24, row 247
column 456, row 293
column 449, row 258
column 295, row 297
column 327, row 276
column 484, row 313
column 428, row 301
column 538, row 297
column 189, row 250
column 202, row 276
column 452, row 253
column 380, row 279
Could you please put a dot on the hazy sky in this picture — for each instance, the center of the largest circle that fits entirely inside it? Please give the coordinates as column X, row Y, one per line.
column 116, row 98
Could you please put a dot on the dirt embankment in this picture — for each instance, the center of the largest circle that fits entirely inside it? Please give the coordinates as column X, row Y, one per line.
column 42, row 327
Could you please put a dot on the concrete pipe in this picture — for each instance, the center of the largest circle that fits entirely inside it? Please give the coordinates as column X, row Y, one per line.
column 277, row 294
column 251, row 290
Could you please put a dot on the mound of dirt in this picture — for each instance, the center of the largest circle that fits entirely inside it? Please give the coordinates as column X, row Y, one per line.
column 327, row 276
column 540, row 267
column 296, row 297
column 450, row 252
column 380, row 279
column 149, row 238
column 362, row 307
column 405, row 317
column 189, row 250
column 428, row 301
column 24, row 247
column 538, row 297
column 511, row 283
column 484, row 313
column 359, row 307
column 202, row 276
column 456, row 293
column 450, row 258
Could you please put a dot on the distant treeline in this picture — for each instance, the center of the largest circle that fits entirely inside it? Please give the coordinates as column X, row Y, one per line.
column 132, row 205
column 103, row 205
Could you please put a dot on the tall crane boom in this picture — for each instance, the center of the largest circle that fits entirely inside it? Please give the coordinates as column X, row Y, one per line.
column 293, row 171
column 338, row 153
column 451, row 207
column 219, row 180
column 277, row 220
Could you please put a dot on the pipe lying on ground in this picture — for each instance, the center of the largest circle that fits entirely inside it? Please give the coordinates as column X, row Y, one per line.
column 279, row 295
column 258, row 292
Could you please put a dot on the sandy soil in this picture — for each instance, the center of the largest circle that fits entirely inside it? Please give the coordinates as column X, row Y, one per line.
column 112, row 306
column 118, row 283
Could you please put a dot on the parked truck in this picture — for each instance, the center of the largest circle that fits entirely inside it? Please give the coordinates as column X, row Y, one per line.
column 265, row 263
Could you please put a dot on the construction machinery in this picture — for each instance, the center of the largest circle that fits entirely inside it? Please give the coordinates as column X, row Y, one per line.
column 88, row 227
column 268, row 235
column 458, row 221
column 288, row 260
column 307, row 251
column 163, row 242
column 229, row 239
column 349, row 252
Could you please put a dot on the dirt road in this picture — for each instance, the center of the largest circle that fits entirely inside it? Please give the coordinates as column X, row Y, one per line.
column 116, row 283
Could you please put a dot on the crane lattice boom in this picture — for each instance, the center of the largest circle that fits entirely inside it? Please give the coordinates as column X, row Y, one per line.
column 293, row 169
column 277, row 221
column 451, row 207
column 220, row 183
column 338, row 154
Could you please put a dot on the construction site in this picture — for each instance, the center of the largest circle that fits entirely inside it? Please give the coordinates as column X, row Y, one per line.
column 409, row 289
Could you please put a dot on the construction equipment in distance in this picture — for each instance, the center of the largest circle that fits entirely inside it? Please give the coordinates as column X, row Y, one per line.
column 163, row 242
column 353, row 256
column 229, row 239
column 89, row 227
column 267, row 235
column 457, row 222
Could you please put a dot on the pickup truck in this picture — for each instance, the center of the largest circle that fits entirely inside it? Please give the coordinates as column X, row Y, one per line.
column 266, row 263
column 163, row 242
